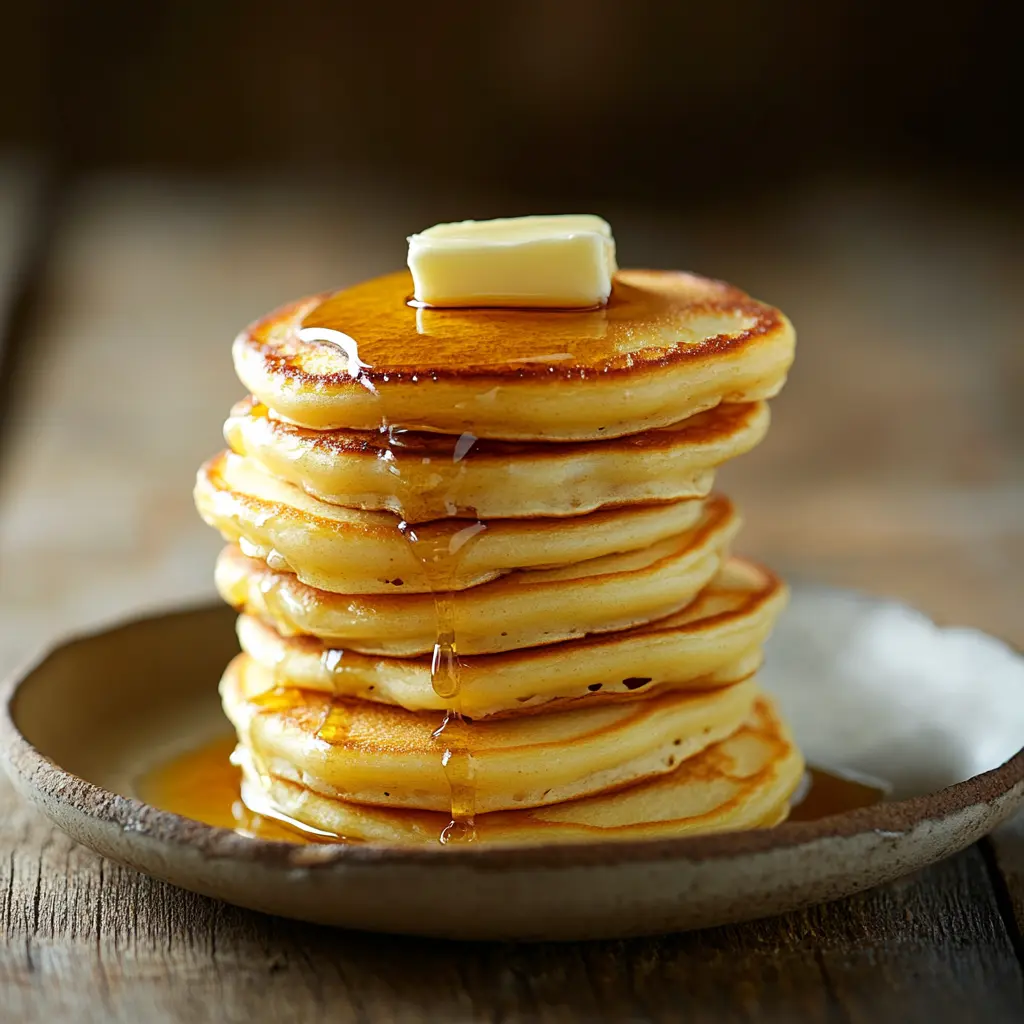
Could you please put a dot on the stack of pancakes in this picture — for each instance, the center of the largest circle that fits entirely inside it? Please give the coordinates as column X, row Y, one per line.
column 485, row 589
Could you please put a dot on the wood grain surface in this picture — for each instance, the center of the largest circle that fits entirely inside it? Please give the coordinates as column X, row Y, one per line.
column 895, row 464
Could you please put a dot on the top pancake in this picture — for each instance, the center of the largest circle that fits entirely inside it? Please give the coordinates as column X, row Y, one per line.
column 666, row 346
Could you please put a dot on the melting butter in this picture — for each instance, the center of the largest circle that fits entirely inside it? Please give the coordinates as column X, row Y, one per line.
column 561, row 262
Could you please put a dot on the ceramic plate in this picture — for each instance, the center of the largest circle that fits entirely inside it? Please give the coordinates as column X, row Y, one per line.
column 870, row 686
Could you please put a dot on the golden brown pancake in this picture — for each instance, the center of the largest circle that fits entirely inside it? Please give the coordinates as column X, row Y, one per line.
column 742, row 782
column 714, row 641
column 666, row 346
column 520, row 609
column 384, row 755
column 526, row 495
column 421, row 476
column 351, row 551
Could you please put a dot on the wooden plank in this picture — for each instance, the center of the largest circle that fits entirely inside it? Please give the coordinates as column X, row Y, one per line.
column 88, row 941
column 1005, row 852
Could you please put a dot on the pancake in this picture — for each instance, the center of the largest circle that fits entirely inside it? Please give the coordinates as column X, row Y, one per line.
column 351, row 551
column 742, row 782
column 511, row 508
column 519, row 609
column 422, row 476
column 714, row 641
column 666, row 346
column 379, row 754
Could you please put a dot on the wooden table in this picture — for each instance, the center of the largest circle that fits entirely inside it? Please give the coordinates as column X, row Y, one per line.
column 895, row 465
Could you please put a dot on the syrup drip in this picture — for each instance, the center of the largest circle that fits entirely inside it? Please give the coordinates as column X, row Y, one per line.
column 278, row 603
column 438, row 547
column 439, row 551
column 331, row 661
column 335, row 726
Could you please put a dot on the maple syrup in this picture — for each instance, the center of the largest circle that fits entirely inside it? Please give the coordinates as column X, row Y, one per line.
column 385, row 334
column 833, row 792
column 204, row 785
column 439, row 549
column 437, row 546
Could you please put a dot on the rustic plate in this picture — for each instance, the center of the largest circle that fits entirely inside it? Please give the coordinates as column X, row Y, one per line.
column 870, row 686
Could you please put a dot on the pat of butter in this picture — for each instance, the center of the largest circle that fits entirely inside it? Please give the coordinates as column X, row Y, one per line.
column 564, row 262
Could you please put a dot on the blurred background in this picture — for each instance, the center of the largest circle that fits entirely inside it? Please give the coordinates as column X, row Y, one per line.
column 170, row 170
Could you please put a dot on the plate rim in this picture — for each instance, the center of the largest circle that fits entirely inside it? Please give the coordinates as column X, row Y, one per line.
column 41, row 774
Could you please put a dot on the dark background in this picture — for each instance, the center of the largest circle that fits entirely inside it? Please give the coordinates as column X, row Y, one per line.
column 581, row 100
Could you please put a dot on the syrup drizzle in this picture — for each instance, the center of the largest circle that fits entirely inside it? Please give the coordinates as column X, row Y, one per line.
column 439, row 548
column 439, row 551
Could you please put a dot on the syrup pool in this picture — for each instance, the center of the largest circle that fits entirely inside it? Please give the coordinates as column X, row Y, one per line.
column 204, row 785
